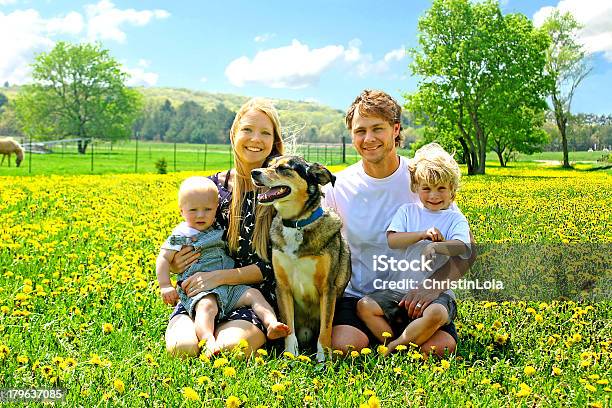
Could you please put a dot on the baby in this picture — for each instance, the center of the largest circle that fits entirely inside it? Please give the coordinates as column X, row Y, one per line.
column 198, row 201
column 431, row 231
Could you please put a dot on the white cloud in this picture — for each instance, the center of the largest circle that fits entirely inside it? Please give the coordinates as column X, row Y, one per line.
column 294, row 66
column 203, row 79
column 264, row 37
column 7, row 2
column 30, row 34
column 139, row 77
column 395, row 55
column 144, row 63
column 595, row 15
column 104, row 20
column 297, row 66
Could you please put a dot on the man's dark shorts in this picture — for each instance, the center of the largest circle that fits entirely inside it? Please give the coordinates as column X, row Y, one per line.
column 346, row 313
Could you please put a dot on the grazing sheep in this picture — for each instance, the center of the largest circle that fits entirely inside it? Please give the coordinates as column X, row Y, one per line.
column 9, row 146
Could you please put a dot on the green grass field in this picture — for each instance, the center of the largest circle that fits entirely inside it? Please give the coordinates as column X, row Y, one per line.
column 79, row 307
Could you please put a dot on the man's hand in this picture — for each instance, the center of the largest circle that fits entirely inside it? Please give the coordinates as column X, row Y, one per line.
column 169, row 295
column 434, row 235
column 183, row 259
column 417, row 300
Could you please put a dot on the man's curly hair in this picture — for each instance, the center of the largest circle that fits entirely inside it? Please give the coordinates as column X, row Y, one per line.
column 379, row 104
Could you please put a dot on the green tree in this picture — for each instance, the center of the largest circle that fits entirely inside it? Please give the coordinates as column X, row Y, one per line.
column 566, row 63
column 479, row 68
column 79, row 91
column 3, row 101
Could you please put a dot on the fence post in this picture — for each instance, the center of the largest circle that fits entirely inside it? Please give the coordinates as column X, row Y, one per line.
column 92, row 154
column 175, row 156
column 308, row 152
column 343, row 149
column 205, row 154
column 136, row 160
column 30, row 156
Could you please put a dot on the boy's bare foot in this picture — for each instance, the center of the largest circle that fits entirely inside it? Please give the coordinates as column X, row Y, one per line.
column 278, row 330
column 402, row 339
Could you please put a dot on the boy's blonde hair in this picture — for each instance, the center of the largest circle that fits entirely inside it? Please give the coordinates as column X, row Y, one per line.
column 433, row 165
column 197, row 183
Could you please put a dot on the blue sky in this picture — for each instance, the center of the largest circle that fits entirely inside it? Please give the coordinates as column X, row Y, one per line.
column 325, row 51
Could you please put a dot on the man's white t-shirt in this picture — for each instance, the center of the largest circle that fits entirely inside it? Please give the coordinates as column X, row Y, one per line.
column 367, row 206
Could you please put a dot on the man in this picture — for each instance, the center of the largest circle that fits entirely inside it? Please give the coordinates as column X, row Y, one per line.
column 366, row 196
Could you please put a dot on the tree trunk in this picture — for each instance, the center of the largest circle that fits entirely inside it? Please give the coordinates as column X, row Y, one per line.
column 82, row 146
column 566, row 163
column 500, row 156
column 561, row 119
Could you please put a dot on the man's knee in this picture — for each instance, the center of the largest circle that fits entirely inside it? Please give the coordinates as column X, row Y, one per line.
column 366, row 307
column 346, row 338
column 439, row 344
column 436, row 314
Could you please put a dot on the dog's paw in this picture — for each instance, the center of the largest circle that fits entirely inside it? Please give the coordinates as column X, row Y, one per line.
column 291, row 344
column 320, row 353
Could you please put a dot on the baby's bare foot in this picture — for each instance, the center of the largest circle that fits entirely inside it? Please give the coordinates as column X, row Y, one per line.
column 278, row 330
column 209, row 347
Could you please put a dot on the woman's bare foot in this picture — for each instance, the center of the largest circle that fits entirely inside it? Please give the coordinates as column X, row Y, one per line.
column 277, row 330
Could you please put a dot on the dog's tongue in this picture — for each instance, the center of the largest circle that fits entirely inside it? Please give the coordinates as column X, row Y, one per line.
column 272, row 194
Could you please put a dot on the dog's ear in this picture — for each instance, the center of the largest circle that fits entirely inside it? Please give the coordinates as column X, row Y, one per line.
column 321, row 174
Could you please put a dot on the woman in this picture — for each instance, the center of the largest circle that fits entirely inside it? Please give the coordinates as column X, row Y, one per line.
column 255, row 136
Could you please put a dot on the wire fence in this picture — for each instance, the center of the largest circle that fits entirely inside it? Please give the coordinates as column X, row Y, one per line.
column 135, row 156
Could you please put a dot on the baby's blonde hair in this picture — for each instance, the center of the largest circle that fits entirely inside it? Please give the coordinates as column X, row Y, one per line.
column 433, row 165
column 197, row 183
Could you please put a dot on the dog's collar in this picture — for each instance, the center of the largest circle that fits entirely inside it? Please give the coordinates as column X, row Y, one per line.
column 316, row 214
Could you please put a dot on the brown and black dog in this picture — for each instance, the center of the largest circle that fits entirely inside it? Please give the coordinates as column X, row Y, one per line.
column 311, row 259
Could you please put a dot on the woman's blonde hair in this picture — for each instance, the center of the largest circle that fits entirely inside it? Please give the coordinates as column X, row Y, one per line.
column 434, row 165
column 243, row 183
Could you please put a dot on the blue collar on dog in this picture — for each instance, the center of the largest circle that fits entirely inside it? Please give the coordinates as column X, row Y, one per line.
column 302, row 223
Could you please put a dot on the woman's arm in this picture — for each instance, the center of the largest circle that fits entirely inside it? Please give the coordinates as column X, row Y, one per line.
column 245, row 275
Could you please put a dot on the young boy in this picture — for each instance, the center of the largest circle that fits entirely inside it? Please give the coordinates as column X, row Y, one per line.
column 429, row 231
column 198, row 200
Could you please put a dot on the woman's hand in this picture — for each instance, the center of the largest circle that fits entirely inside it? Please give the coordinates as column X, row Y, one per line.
column 183, row 259
column 199, row 282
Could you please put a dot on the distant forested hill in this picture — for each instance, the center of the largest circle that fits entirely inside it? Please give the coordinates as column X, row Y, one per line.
column 189, row 116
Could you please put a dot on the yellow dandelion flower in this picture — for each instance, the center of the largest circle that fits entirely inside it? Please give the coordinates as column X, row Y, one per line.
column 203, row 357
column 386, row 335
column 4, row 350
column 590, row 387
column 118, row 385
column 232, row 402
column 289, row 355
column 556, row 371
column 594, row 377
column 445, row 364
column 603, row 382
column 229, row 372
column 419, row 391
column 220, row 362
column 529, row 370
column 397, row 370
column 585, row 363
column 338, row 352
column 204, row 379
column 190, row 394
column 278, row 388
column 144, row 395
column 496, row 386
column 479, row 326
column 85, row 392
column 201, row 343
column 22, row 359
column 107, row 328
column 382, row 349
column 243, row 344
column 259, row 360
column 304, row 359
column 577, row 337
column 596, row 404
column 150, row 359
column 4, row 309
column 262, row 352
column 400, row 347
column 308, row 398
column 530, row 310
column 354, row 354
column 373, row 402
column 538, row 318
column 365, row 351
column 524, row 390
column 68, row 364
